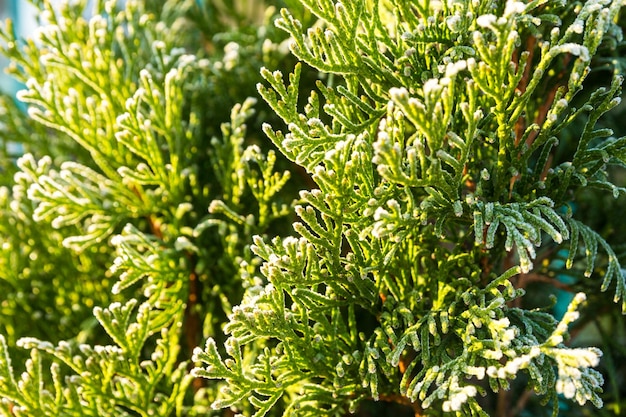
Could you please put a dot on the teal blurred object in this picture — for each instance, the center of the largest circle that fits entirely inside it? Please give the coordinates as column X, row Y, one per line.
column 24, row 17
column 21, row 12
column 24, row 22
column 563, row 297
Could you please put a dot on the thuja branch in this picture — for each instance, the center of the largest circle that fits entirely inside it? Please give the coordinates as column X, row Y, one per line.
column 433, row 167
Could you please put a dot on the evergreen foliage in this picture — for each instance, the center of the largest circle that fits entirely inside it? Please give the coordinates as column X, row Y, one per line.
column 140, row 190
column 445, row 157
column 432, row 153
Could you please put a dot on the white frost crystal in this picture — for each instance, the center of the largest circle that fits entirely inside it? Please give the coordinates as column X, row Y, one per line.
column 514, row 7
column 486, row 20
column 577, row 380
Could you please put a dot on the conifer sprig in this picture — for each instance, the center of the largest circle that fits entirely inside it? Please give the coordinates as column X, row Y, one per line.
column 154, row 200
column 432, row 152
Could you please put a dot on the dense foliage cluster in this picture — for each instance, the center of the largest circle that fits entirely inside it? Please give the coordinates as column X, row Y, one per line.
column 428, row 163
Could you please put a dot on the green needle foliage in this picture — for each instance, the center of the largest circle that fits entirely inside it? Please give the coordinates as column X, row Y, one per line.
column 432, row 148
column 449, row 153
column 126, row 229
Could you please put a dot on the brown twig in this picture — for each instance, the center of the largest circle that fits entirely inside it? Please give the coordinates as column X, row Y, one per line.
column 544, row 108
column 525, row 279
column 400, row 399
column 521, row 402
column 502, row 406
column 520, row 124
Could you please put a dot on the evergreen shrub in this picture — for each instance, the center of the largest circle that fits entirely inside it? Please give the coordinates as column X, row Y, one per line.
column 432, row 168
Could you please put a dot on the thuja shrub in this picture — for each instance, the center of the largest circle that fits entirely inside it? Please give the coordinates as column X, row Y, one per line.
column 442, row 181
column 446, row 157
column 126, row 223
